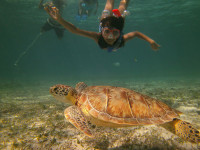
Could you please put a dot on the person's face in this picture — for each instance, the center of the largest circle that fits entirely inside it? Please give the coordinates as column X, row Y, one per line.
column 110, row 35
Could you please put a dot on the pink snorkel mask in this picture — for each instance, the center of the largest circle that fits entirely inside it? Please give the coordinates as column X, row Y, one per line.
column 116, row 13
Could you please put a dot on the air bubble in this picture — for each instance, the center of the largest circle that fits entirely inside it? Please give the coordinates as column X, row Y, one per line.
column 126, row 13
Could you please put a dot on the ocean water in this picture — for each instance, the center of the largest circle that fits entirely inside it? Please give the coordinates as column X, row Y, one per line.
column 30, row 118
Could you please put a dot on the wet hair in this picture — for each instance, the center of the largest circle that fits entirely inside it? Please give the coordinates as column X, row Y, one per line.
column 113, row 22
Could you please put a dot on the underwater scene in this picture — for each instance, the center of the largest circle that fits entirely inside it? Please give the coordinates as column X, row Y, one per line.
column 60, row 90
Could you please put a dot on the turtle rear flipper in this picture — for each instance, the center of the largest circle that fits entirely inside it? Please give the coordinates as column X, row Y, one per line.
column 76, row 117
column 184, row 130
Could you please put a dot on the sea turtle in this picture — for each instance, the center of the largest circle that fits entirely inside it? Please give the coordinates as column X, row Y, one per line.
column 119, row 107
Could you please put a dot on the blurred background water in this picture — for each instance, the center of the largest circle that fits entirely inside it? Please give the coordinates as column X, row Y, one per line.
column 175, row 25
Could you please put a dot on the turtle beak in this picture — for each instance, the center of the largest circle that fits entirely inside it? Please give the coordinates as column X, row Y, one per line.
column 53, row 90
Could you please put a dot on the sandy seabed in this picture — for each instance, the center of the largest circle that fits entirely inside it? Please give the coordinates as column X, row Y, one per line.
column 30, row 118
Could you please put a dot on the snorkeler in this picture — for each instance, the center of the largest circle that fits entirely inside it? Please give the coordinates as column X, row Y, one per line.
column 51, row 23
column 110, row 36
column 86, row 8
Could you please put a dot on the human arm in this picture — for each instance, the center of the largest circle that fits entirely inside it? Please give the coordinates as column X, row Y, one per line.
column 54, row 13
column 140, row 35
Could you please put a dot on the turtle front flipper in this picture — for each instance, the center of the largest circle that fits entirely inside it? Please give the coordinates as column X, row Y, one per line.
column 184, row 130
column 76, row 117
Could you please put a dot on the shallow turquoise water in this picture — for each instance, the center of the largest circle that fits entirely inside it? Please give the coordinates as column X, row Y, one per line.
column 31, row 118
column 174, row 25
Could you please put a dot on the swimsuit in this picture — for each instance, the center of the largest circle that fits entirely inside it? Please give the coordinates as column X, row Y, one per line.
column 118, row 43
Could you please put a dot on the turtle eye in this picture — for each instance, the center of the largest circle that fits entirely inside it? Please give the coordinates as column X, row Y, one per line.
column 55, row 89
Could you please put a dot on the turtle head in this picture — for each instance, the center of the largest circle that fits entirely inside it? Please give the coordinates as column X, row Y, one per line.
column 64, row 93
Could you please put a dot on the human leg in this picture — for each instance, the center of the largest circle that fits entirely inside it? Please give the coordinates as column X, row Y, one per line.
column 46, row 27
column 59, row 32
column 108, row 8
column 123, row 5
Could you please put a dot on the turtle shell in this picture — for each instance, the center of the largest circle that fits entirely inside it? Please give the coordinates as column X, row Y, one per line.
column 123, row 106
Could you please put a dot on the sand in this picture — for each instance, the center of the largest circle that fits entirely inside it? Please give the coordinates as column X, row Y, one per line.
column 30, row 118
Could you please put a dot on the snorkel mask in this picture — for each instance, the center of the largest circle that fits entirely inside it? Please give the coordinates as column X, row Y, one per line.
column 109, row 33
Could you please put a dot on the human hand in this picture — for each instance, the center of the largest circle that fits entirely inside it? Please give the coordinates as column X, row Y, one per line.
column 52, row 10
column 155, row 46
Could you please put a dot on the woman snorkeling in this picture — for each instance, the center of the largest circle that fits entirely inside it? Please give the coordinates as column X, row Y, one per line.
column 110, row 36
